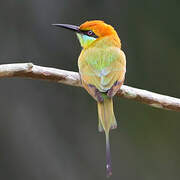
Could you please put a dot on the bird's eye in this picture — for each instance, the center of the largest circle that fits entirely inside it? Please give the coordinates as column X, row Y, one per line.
column 89, row 33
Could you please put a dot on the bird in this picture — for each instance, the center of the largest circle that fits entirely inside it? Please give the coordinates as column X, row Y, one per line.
column 102, row 68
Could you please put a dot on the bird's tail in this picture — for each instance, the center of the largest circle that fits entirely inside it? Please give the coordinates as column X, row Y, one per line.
column 107, row 121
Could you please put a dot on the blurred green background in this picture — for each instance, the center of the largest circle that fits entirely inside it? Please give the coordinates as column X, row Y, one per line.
column 49, row 130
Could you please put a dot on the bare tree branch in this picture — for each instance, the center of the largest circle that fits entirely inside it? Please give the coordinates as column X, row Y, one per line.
column 29, row 70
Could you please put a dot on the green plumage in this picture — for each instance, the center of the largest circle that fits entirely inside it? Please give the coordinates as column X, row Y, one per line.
column 101, row 66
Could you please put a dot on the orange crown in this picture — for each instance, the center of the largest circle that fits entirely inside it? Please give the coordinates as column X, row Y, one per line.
column 100, row 28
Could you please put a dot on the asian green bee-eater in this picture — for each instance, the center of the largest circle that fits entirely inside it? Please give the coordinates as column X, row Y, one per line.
column 102, row 67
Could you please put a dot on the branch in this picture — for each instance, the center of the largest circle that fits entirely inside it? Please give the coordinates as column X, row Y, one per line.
column 29, row 70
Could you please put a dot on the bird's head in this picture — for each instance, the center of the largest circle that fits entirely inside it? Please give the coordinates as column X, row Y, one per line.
column 91, row 31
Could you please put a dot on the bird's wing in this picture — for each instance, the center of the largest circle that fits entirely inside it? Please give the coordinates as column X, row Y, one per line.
column 102, row 68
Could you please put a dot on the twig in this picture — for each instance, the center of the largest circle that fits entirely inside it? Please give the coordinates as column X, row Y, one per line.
column 29, row 70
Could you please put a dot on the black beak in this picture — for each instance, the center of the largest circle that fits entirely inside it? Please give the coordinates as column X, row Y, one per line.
column 68, row 26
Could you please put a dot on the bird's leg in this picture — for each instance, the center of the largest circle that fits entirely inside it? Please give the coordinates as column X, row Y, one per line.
column 112, row 91
column 95, row 93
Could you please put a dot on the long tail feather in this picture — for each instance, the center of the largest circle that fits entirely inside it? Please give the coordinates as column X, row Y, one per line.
column 108, row 157
column 107, row 121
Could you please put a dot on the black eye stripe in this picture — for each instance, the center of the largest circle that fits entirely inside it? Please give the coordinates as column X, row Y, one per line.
column 89, row 33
